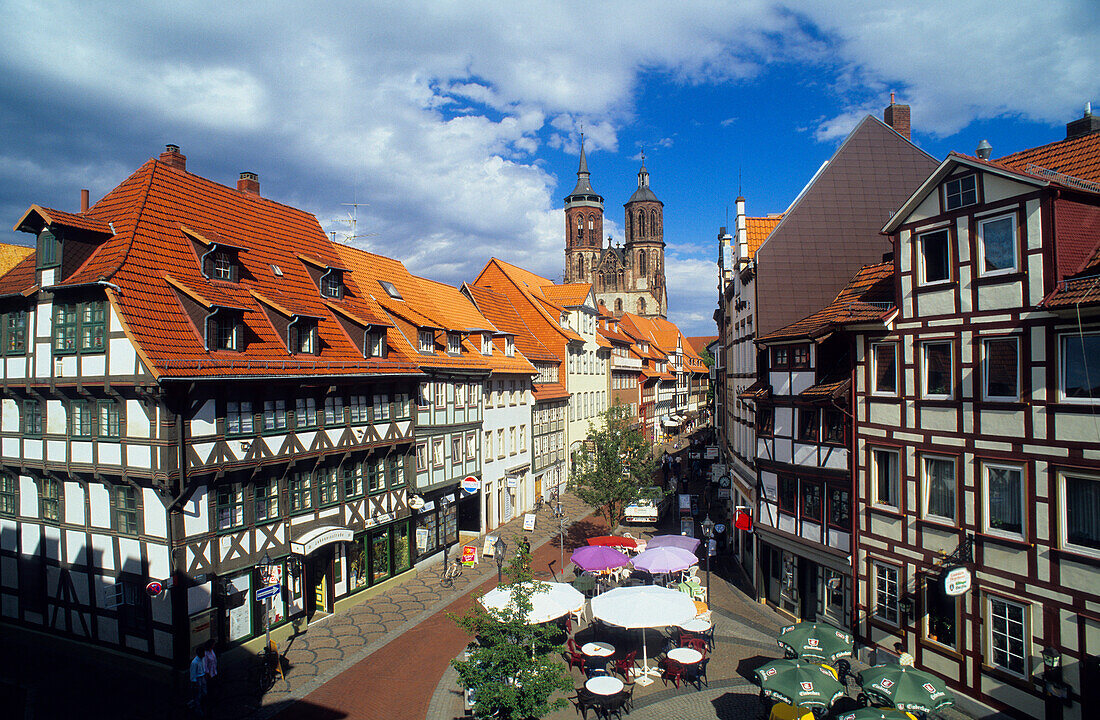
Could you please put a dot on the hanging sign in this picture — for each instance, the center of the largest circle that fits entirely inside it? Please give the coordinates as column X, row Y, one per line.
column 487, row 549
column 743, row 521
column 470, row 484
column 956, row 581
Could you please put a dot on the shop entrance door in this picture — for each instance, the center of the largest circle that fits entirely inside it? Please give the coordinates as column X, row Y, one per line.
column 807, row 585
column 320, row 581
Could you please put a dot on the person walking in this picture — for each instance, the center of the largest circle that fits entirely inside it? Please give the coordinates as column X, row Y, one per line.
column 198, row 683
column 210, row 665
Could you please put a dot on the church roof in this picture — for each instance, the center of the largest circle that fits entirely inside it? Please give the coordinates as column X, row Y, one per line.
column 583, row 187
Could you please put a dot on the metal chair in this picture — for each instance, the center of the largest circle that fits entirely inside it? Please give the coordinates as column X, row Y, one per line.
column 696, row 643
column 585, row 701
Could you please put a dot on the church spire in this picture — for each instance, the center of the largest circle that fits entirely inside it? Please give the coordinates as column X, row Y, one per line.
column 584, row 187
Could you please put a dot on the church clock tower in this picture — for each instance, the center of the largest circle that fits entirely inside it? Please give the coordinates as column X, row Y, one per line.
column 645, row 248
column 583, row 227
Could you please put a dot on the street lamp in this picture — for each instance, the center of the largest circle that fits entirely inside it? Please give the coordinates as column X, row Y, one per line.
column 708, row 533
column 499, row 549
column 265, row 574
column 559, row 513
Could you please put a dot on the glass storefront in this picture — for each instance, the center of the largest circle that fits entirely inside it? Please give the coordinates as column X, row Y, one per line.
column 436, row 527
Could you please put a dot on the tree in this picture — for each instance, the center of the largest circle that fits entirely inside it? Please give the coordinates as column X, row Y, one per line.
column 708, row 360
column 613, row 465
column 512, row 666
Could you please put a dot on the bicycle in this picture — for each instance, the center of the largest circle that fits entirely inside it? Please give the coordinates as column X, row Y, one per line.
column 453, row 572
column 270, row 665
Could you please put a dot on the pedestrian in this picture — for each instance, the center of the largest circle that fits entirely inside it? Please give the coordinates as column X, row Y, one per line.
column 905, row 659
column 210, row 665
column 198, row 683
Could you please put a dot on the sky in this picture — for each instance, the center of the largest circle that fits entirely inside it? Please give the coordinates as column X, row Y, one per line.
column 455, row 126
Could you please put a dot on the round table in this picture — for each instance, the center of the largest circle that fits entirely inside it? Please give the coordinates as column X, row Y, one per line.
column 696, row 625
column 598, row 649
column 685, row 655
column 604, row 685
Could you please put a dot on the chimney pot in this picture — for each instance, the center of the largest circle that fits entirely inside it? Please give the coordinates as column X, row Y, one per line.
column 249, row 183
column 896, row 115
column 173, row 157
column 1085, row 125
column 84, row 200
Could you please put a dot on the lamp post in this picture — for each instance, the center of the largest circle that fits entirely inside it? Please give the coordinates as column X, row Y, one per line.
column 265, row 574
column 499, row 548
column 560, row 515
column 708, row 533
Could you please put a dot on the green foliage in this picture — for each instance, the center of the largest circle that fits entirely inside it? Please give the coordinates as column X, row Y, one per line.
column 514, row 668
column 708, row 359
column 611, row 468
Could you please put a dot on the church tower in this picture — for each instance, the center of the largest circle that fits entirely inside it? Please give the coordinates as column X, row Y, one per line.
column 645, row 249
column 583, row 227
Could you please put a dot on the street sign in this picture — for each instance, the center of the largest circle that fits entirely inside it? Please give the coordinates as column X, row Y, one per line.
column 154, row 588
column 719, row 528
column 269, row 591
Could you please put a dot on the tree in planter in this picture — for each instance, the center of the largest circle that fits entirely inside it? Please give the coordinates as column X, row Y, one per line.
column 613, row 465
column 512, row 667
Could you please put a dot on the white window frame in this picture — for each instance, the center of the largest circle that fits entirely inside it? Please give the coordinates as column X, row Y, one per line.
column 982, row 272
column 985, row 370
column 924, row 346
column 896, row 485
column 926, row 487
column 509, row 346
column 987, row 506
column 988, row 625
column 1063, row 525
column 878, row 567
column 421, row 457
column 486, row 344
column 454, row 343
column 500, row 444
column 921, row 257
column 426, row 341
column 874, row 370
column 487, row 446
column 1063, row 339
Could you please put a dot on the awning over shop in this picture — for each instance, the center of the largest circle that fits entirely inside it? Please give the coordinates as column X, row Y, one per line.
column 670, row 421
column 313, row 539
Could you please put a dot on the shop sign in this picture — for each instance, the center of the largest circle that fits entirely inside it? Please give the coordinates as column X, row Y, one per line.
column 469, row 555
column 378, row 520
column 725, row 494
column 319, row 537
column 529, row 522
column 421, row 539
column 488, row 550
column 685, row 503
column 712, row 452
column 956, row 581
column 428, row 506
column 446, row 499
column 512, row 482
column 470, row 484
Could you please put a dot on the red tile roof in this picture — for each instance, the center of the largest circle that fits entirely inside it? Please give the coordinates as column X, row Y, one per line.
column 1078, row 157
column 866, row 298
column 503, row 314
column 757, row 230
column 1074, row 293
column 699, row 343
column 569, row 295
column 549, row 391
column 38, row 215
column 12, row 255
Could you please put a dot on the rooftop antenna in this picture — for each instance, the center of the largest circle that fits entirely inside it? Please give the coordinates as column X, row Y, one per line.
column 739, row 193
column 353, row 224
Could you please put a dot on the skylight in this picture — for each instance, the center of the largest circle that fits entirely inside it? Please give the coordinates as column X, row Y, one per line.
column 390, row 289
column 278, row 271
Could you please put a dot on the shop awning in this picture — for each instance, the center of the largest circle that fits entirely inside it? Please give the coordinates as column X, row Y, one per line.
column 317, row 537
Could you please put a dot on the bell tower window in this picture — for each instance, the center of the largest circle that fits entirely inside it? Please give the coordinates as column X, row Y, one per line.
column 641, row 262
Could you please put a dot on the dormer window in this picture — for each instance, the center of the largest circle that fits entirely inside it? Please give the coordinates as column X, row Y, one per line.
column 224, row 330
column 376, row 344
column 486, row 344
column 390, row 289
column 961, row 192
column 303, row 336
column 220, row 263
column 509, row 347
column 427, row 341
column 454, row 343
column 223, row 266
column 48, row 249
column 332, row 284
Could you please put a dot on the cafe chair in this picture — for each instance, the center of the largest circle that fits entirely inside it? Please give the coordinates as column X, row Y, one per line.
column 579, row 614
column 584, row 701
column 697, row 674
column 612, row 705
column 708, row 635
column 628, row 696
column 574, row 658
column 696, row 643
column 671, row 670
column 625, row 665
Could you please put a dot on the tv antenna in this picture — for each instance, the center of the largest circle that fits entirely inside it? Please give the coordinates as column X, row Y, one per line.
column 353, row 224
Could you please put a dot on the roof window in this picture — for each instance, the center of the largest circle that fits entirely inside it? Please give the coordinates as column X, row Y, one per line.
column 332, row 284
column 220, row 263
column 426, row 340
column 454, row 343
column 276, row 271
column 390, row 289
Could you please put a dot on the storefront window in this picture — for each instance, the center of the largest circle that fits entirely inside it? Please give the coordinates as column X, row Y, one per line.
column 450, row 524
column 942, row 613
column 401, row 547
column 427, row 533
column 380, row 555
column 357, row 564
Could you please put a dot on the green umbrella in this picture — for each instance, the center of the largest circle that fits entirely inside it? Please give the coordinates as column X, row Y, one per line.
column 875, row 713
column 905, row 688
column 815, row 641
column 799, row 683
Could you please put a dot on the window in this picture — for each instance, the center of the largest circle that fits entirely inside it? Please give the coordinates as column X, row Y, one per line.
column 510, row 346
column 15, row 332
column 886, row 368
column 305, row 412
column 424, row 398
column 788, row 495
column 437, row 452
column 1004, row 498
column 939, row 487
column 303, row 336
column 486, row 344
column 961, row 192
column 48, row 249
column 1007, row 623
column 376, row 474
column 327, row 485
column 807, row 424
column 110, row 419
column 359, row 412
column 780, row 358
column 49, row 499
column 238, row 417
column 265, row 500
column 1001, row 368
column 460, row 394
column 390, row 289
column 1081, row 508
column 9, row 495
column 832, row 426
column 765, row 421
column 512, row 446
column 456, row 450
column 811, row 501
column 937, row 369
column 395, row 470
column 943, row 613
column 334, row 410
column 471, row 446
column 224, row 329
column 886, row 592
column 1080, row 369
column 400, row 405
column 229, row 507
column 32, row 418
column 440, row 395
column 800, row 356
column 64, row 328
column 332, row 284
column 500, row 443
column 997, row 242
column 840, row 509
column 421, row 457
column 427, row 341
column 376, row 344
column 381, row 407
column 301, row 492
column 81, row 419
column 454, row 343
column 275, row 417
column 222, row 265
column 488, row 446
column 523, row 438
column 935, row 256
column 884, row 467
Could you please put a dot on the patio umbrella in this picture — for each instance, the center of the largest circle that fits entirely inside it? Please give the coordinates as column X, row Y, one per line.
column 549, row 600
column 799, row 683
column 906, row 688
column 598, row 557
column 640, row 607
column 875, row 713
column 679, row 541
column 815, row 641
column 665, row 560
column 613, row 541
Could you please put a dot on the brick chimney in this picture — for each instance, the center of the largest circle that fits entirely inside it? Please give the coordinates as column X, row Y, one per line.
column 249, row 183
column 173, row 157
column 897, row 117
column 84, row 200
column 1085, row 125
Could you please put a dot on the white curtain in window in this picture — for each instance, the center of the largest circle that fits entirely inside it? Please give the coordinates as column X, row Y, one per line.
column 940, row 476
column 1005, row 508
column 1083, row 512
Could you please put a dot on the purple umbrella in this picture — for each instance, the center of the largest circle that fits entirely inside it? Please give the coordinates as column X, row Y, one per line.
column 680, row 541
column 665, row 560
column 598, row 557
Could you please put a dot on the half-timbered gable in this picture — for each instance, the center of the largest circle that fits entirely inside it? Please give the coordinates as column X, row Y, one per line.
column 975, row 443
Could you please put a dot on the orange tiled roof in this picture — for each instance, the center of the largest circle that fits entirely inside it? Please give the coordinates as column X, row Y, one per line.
column 867, row 297
column 569, row 295
column 148, row 211
column 757, row 230
column 699, row 343
column 1073, row 293
column 549, row 391
column 499, row 310
column 1078, row 157
column 524, row 289
column 37, row 215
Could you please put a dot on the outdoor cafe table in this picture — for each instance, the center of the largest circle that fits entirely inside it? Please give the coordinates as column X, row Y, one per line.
column 695, row 625
column 685, row 655
column 604, row 685
column 598, row 650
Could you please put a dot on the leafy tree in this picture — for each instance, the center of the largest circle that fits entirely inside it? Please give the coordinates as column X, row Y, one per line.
column 512, row 666
column 708, row 360
column 613, row 465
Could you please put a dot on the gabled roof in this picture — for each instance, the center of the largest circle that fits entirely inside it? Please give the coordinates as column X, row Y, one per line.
column 499, row 310
column 757, row 230
column 567, row 295
column 699, row 343
column 867, row 298
column 12, row 255
column 37, row 216
column 1077, row 157
column 524, row 289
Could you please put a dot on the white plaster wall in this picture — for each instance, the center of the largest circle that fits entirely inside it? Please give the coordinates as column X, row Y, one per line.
column 156, row 521
column 195, row 515
column 28, row 497
column 137, row 424
column 202, row 424
column 74, row 503
column 99, row 502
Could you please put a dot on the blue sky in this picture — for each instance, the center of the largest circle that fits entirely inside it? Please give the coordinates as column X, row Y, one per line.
column 456, row 125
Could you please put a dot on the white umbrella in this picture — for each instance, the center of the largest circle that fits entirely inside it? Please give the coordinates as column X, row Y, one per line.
column 549, row 600
column 644, row 606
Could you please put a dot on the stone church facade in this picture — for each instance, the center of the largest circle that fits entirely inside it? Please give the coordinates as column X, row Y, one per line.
column 630, row 276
